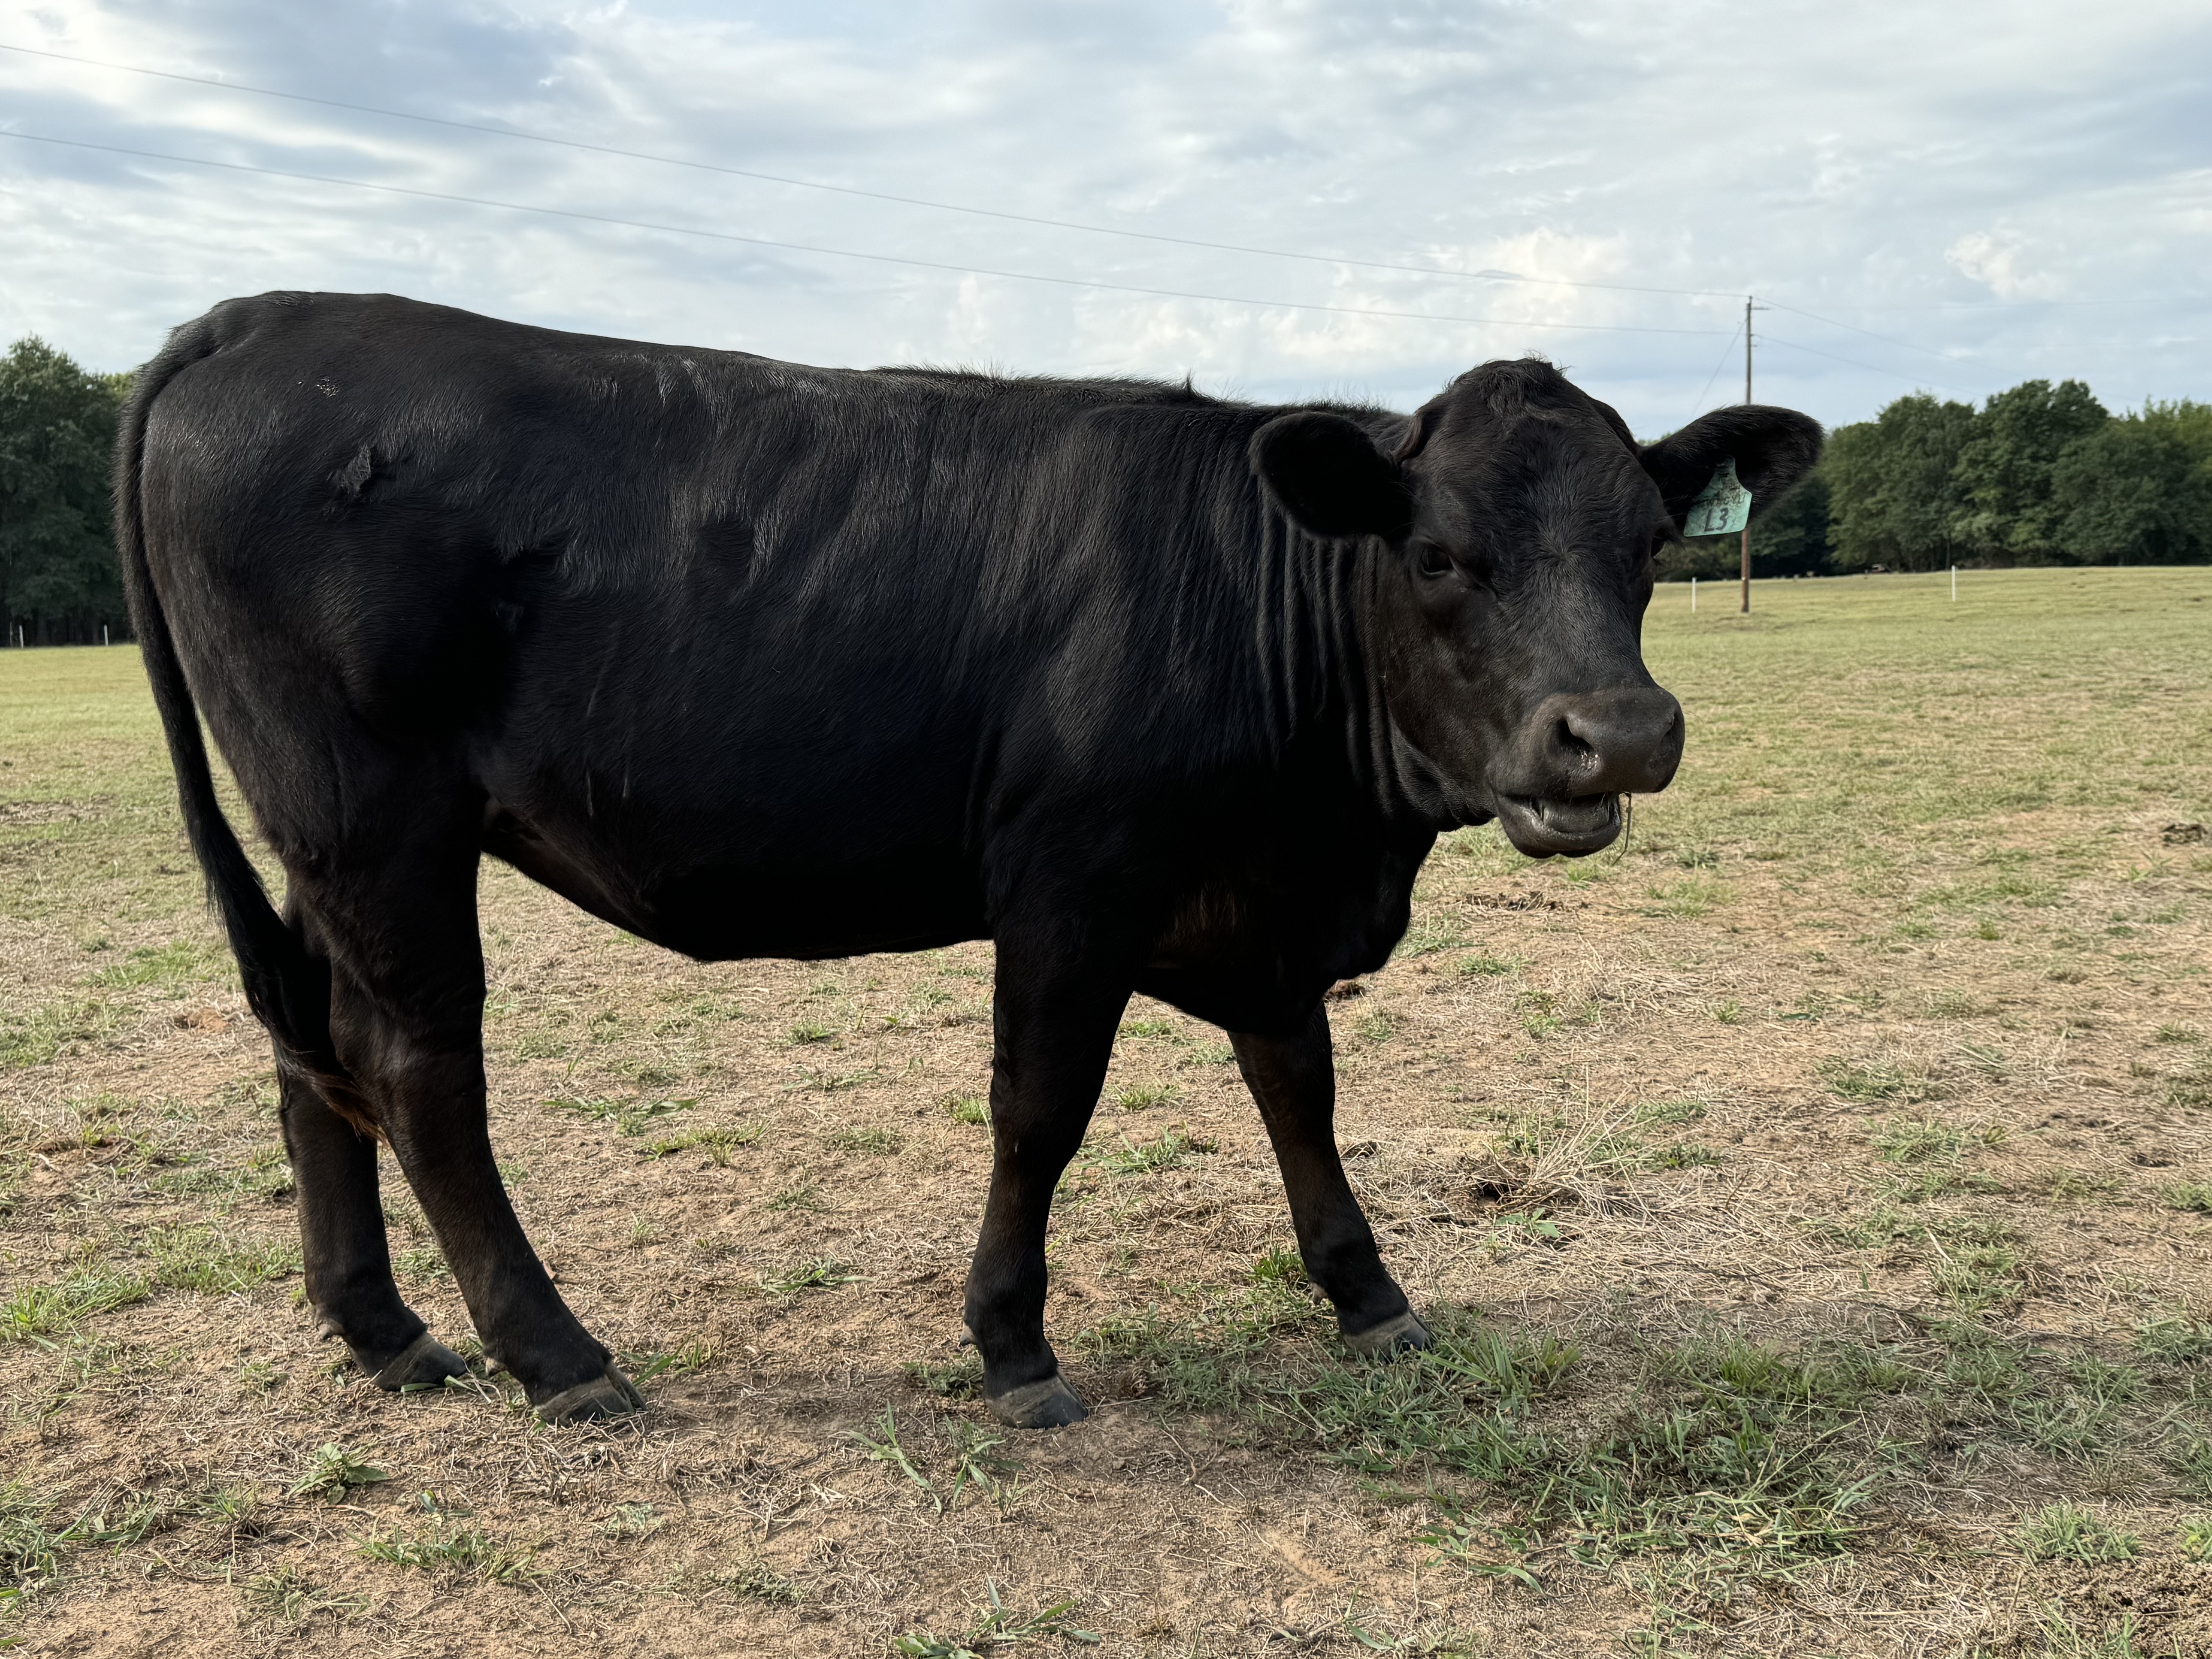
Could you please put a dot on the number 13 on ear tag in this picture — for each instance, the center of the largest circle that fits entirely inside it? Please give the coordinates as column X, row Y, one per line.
column 1722, row 508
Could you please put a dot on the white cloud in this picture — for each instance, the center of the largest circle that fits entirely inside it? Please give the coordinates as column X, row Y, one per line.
column 1933, row 177
column 2001, row 261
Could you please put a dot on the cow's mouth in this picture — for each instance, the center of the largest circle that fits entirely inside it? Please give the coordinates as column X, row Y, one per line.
column 1547, row 827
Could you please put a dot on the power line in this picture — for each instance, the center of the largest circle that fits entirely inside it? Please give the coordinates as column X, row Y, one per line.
column 2024, row 304
column 869, row 195
column 1855, row 363
column 845, row 253
column 1777, row 305
column 1726, row 351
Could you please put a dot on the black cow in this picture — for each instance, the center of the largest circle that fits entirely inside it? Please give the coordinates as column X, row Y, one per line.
column 1157, row 691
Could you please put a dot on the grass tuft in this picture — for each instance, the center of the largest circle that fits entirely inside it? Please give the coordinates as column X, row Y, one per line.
column 719, row 1144
column 1873, row 1081
column 39, row 1313
column 1916, row 1140
column 822, row 1274
column 2195, row 1196
column 454, row 1553
column 1169, row 1152
column 999, row 1627
column 865, row 1140
column 2063, row 1532
column 630, row 1116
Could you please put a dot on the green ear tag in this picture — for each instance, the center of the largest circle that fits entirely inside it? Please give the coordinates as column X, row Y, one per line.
column 1722, row 508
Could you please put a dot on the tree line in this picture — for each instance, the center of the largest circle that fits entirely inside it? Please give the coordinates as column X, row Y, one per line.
column 58, row 580
column 2042, row 474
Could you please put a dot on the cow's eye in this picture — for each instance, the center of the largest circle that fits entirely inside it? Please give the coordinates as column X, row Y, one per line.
column 1432, row 560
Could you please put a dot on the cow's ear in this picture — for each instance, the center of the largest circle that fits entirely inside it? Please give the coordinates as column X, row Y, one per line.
column 1326, row 472
column 1772, row 448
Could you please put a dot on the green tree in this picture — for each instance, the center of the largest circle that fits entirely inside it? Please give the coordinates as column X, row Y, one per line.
column 1892, row 496
column 2138, row 490
column 2189, row 421
column 2004, row 473
column 58, row 579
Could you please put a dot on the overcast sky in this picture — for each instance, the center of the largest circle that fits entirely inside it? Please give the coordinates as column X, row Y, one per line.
column 1989, row 191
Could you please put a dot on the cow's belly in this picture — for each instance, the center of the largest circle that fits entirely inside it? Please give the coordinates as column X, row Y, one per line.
column 916, row 898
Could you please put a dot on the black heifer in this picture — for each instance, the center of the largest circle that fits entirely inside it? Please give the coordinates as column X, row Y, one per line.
column 1158, row 692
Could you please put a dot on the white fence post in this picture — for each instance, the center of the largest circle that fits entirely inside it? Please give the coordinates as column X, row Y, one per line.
column 1693, row 596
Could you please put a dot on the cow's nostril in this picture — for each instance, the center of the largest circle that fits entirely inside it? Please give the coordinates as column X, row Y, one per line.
column 1572, row 742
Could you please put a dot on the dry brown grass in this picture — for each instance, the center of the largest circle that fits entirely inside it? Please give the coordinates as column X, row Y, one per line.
column 1863, row 1100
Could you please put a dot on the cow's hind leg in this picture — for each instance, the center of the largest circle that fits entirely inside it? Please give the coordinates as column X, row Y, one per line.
column 342, row 1239
column 406, row 1012
column 1293, row 1078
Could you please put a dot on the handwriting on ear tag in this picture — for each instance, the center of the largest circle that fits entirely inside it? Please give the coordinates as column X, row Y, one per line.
column 1722, row 508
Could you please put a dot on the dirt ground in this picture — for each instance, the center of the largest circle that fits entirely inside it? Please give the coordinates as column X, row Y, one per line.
column 1813, row 1197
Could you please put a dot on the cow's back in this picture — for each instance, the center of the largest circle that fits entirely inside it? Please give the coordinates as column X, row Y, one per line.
column 708, row 618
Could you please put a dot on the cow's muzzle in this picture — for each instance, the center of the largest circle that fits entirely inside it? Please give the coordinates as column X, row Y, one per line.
column 1575, row 757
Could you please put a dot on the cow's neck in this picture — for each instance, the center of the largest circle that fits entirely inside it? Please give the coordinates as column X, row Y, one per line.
column 1317, row 658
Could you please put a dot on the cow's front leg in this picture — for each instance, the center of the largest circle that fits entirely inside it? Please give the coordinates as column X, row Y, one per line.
column 1052, row 1035
column 1293, row 1078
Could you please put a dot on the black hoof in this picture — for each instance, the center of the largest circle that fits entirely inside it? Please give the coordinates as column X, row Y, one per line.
column 608, row 1394
column 425, row 1362
column 1050, row 1404
column 1396, row 1335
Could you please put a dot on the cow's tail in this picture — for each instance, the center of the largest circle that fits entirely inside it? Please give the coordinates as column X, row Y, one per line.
column 288, row 987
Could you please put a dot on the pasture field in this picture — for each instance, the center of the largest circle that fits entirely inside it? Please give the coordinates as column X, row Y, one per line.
column 1813, row 1201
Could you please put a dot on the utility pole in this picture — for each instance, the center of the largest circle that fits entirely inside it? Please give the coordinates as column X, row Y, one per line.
column 1747, row 398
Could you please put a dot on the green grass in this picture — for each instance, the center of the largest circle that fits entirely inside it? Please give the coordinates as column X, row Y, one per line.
column 2081, row 693
column 37, row 1035
column 1873, row 1081
column 1671, row 1111
column 448, row 1551
column 719, row 1144
column 334, row 1472
column 177, row 962
column 1430, row 934
column 1169, row 1150
column 2062, row 1532
column 999, row 1626
column 2098, row 672
column 1482, row 966
column 1735, row 1459
column 865, row 1139
column 1165, row 1030
column 823, row 1273
column 1726, row 1449
column 1142, row 1096
column 214, row 1262
column 1915, row 1140
column 955, row 1379
column 688, row 1361
column 630, row 1116
column 42, row 1312
column 2174, row 1341
column 288, row 1596
column 2188, row 1196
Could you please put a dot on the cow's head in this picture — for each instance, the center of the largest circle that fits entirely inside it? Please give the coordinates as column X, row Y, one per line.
column 1520, row 520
